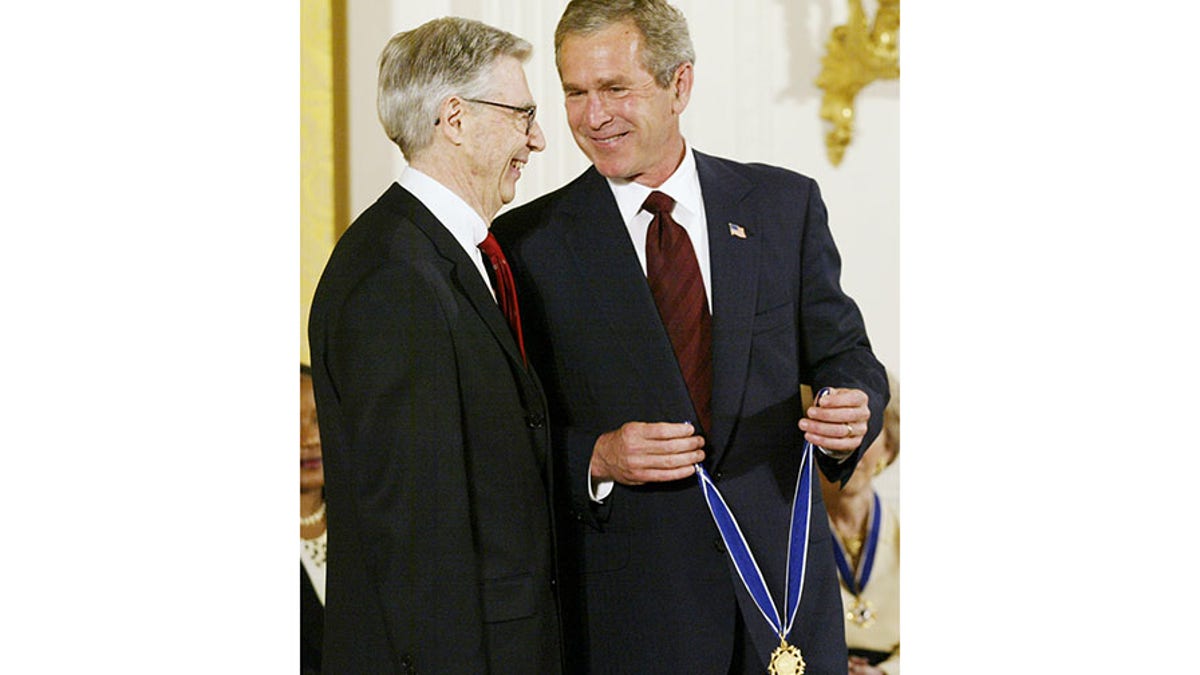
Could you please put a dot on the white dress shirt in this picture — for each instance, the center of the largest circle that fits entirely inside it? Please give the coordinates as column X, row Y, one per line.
column 455, row 215
column 684, row 187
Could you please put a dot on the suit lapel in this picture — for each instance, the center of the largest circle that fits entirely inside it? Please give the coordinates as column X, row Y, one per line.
column 597, row 239
column 464, row 273
column 734, row 266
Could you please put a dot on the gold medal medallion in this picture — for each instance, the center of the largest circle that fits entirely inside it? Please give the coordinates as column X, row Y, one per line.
column 786, row 660
column 862, row 614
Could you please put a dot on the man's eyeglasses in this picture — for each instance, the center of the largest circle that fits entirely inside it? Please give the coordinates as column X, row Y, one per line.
column 530, row 112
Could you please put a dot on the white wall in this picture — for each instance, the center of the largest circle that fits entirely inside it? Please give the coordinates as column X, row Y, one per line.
column 754, row 100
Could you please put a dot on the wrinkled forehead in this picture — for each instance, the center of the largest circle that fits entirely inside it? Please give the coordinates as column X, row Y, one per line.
column 612, row 56
column 508, row 82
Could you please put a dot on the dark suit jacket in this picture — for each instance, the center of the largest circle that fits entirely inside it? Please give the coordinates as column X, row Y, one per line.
column 312, row 621
column 436, row 460
column 652, row 589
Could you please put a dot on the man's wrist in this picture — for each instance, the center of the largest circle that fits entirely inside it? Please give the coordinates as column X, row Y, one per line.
column 835, row 455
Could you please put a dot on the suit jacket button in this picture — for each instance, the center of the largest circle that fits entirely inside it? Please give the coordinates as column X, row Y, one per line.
column 535, row 420
column 719, row 545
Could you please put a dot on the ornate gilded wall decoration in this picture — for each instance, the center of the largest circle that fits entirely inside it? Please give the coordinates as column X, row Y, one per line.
column 856, row 55
column 323, row 155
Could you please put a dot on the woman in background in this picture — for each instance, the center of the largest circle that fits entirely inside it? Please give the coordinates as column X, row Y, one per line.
column 867, row 550
column 312, row 530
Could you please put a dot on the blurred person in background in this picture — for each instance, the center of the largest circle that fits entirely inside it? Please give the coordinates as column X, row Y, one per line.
column 312, row 530
column 867, row 552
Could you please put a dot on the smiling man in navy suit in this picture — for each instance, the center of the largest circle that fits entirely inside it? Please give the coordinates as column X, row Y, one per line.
column 639, row 396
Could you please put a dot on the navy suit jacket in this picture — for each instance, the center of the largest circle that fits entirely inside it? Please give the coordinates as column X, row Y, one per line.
column 437, row 474
column 651, row 587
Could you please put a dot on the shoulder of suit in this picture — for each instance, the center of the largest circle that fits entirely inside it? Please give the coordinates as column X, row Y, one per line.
column 756, row 172
column 522, row 220
column 374, row 229
column 387, row 233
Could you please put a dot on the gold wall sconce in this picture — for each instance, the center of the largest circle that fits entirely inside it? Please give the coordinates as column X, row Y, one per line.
column 856, row 55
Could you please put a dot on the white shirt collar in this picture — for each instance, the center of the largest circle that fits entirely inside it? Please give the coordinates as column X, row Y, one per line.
column 462, row 221
column 454, row 213
column 683, row 186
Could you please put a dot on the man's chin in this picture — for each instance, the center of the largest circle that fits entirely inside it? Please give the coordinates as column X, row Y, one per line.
column 610, row 169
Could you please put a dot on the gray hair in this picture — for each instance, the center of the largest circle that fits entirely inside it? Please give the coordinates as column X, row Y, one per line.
column 419, row 69
column 667, row 42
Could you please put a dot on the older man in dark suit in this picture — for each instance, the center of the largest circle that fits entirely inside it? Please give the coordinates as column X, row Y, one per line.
column 674, row 304
column 435, row 444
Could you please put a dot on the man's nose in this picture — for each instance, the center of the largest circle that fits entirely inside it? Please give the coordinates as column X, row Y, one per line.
column 537, row 139
column 596, row 112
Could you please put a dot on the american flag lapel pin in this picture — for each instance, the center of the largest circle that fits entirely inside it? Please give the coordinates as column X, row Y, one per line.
column 736, row 230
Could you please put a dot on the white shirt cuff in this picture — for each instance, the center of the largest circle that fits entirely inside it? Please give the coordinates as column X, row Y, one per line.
column 599, row 491
column 835, row 455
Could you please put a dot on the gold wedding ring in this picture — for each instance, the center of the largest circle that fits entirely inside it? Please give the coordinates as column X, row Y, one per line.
column 849, row 431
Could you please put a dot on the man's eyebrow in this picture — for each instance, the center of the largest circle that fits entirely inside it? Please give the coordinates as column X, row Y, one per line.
column 614, row 80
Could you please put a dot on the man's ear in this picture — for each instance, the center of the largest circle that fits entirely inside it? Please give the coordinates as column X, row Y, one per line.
column 451, row 115
column 681, row 87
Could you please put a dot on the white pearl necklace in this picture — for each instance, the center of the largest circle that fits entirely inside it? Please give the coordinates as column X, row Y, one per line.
column 315, row 518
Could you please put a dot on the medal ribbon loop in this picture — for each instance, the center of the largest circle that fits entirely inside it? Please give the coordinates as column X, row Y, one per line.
column 856, row 583
column 743, row 559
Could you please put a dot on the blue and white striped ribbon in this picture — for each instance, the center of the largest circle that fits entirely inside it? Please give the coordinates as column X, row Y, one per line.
column 857, row 583
column 743, row 558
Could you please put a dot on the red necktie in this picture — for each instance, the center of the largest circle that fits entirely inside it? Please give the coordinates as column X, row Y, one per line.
column 678, row 290
column 506, row 290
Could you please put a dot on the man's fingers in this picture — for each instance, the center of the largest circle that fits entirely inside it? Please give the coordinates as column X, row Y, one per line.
column 848, row 405
column 829, row 423
column 842, row 398
column 662, row 461
column 641, row 452
column 664, row 475
column 835, row 429
column 678, row 474
column 677, row 446
column 836, row 444
column 659, row 438
column 664, row 430
column 671, row 461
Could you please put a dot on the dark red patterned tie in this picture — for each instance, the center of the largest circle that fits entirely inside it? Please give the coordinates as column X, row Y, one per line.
column 678, row 290
column 506, row 290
